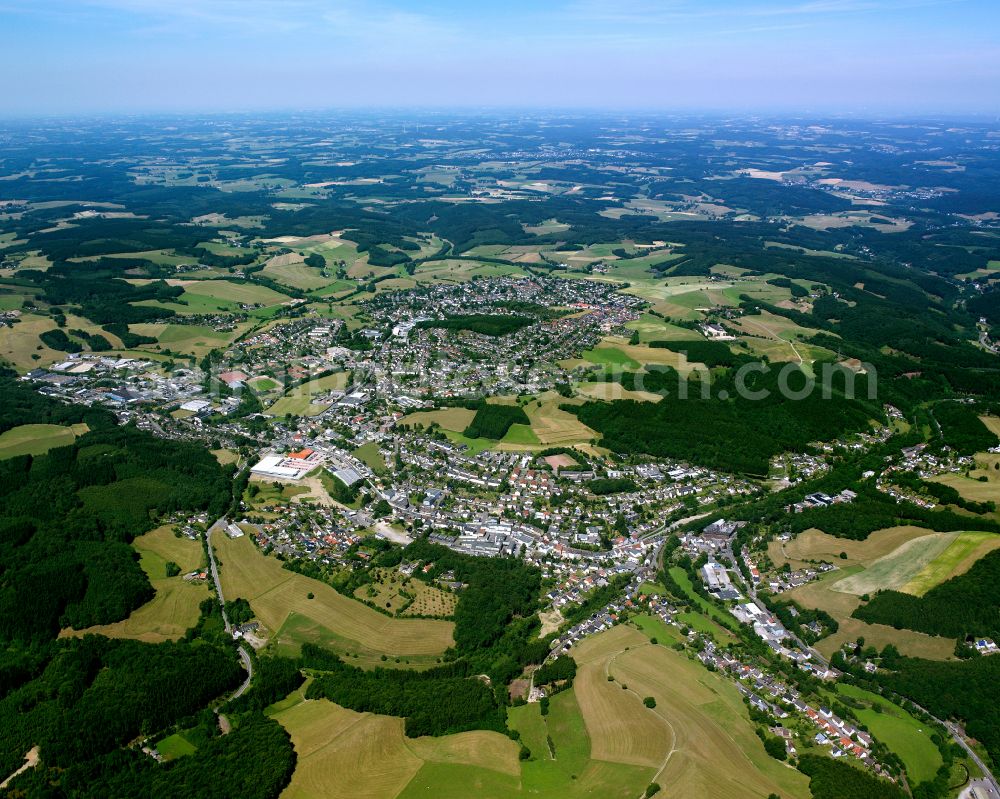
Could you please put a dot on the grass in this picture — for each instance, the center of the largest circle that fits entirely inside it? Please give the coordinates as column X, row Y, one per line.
column 296, row 406
column 521, row 435
column 175, row 746
column 905, row 735
column 279, row 598
column 174, row 609
column 655, row 628
column 369, row 455
column 610, row 356
column 36, row 439
column 454, row 419
column 336, row 381
column 963, row 550
column 682, row 579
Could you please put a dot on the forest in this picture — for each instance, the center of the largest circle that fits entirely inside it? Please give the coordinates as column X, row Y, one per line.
column 737, row 434
column 493, row 421
column 485, row 324
column 438, row 701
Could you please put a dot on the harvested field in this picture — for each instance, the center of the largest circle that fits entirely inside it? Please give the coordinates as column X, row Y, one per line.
column 278, row 595
column 455, row 419
column 703, row 734
column 174, row 609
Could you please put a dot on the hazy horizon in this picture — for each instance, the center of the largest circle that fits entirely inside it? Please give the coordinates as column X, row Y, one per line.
column 854, row 57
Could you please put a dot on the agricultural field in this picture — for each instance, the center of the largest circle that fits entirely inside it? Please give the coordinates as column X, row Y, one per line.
column 406, row 596
column 174, row 609
column 820, row 594
column 21, row 347
column 36, row 439
column 289, row 270
column 322, row 385
column 456, row 419
column 210, row 296
column 346, row 755
column 280, row 600
column 974, row 488
column 698, row 738
column 615, row 391
column 554, row 427
column 196, row 340
column 297, row 406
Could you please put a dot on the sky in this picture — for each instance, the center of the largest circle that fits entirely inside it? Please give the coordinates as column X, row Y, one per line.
column 865, row 57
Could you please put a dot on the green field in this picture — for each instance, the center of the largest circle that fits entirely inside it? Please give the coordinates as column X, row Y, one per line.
column 370, row 456
column 175, row 746
column 520, row 434
column 655, row 628
column 36, row 439
column 905, row 735
column 610, row 356
column 296, row 406
column 961, row 553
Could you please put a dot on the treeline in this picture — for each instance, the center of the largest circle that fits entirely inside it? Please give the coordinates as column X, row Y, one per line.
column 967, row 690
column 597, row 599
column 710, row 353
column 67, row 517
column 966, row 605
column 496, row 621
column 101, row 293
column 438, row 701
column 944, row 494
column 872, row 510
column 602, row 486
column 561, row 669
column 21, row 404
column 493, row 421
column 835, row 779
column 484, row 324
column 97, row 694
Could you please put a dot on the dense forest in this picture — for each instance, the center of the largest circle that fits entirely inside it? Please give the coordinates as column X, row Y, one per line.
column 66, row 521
column 438, row 701
column 835, row 779
column 485, row 324
column 493, row 421
column 732, row 429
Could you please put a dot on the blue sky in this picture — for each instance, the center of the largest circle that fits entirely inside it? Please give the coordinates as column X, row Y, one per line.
column 860, row 56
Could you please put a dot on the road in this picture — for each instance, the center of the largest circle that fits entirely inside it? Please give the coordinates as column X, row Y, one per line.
column 987, row 787
column 221, row 524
